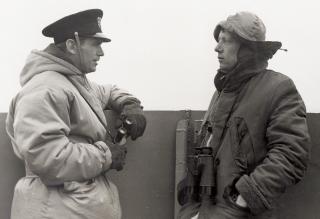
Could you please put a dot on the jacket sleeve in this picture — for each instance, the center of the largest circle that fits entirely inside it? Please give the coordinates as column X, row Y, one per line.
column 288, row 146
column 41, row 129
column 112, row 97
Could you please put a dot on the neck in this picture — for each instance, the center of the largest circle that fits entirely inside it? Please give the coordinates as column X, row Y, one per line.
column 57, row 52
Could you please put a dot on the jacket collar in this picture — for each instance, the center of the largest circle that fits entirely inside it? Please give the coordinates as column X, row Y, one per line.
column 247, row 67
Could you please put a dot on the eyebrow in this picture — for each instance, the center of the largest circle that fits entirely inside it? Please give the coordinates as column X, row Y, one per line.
column 221, row 37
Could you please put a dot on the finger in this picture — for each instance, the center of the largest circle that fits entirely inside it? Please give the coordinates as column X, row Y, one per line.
column 133, row 130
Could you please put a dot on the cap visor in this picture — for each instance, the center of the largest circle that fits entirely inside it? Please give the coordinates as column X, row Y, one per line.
column 101, row 36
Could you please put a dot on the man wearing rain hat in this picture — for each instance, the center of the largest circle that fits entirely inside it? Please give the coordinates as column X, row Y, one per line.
column 255, row 126
column 58, row 128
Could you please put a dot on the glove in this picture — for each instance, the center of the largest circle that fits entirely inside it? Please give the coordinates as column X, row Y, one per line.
column 118, row 156
column 134, row 114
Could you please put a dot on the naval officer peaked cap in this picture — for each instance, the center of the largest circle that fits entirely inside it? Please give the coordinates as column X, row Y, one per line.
column 86, row 23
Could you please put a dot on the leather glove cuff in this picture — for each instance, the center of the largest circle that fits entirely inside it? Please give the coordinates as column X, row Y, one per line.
column 134, row 113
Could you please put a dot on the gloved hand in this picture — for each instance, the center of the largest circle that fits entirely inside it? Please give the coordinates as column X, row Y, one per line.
column 118, row 156
column 134, row 113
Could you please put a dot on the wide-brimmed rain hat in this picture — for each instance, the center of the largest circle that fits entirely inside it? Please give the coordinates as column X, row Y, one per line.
column 250, row 28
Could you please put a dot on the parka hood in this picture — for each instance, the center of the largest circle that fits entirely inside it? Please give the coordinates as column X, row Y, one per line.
column 250, row 29
column 42, row 61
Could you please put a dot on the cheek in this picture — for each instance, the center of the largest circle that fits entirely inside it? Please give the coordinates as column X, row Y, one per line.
column 88, row 57
column 233, row 53
column 231, row 57
column 235, row 57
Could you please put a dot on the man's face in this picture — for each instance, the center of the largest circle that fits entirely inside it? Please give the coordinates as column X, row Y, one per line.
column 227, row 49
column 91, row 51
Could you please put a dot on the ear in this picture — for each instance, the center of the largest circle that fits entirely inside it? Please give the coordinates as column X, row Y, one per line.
column 71, row 46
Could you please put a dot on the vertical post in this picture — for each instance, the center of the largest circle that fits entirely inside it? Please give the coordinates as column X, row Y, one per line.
column 181, row 152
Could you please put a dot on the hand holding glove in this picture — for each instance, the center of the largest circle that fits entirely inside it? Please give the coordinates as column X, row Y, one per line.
column 118, row 156
column 134, row 113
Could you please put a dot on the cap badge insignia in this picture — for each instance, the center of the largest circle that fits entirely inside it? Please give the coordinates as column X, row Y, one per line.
column 99, row 21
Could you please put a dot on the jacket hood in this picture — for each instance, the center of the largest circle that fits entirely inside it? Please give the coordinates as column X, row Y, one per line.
column 252, row 32
column 42, row 61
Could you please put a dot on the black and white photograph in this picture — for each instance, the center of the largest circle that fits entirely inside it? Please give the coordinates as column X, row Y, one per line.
column 149, row 109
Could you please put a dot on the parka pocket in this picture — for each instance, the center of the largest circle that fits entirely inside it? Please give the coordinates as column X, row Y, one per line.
column 91, row 199
column 230, row 195
column 241, row 145
column 79, row 190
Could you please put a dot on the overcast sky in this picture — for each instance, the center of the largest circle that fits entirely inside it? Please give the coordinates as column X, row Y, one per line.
column 163, row 50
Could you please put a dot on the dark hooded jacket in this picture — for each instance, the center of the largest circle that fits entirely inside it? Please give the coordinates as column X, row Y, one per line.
column 260, row 136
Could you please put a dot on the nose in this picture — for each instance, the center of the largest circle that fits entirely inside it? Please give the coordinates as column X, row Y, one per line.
column 218, row 48
column 100, row 51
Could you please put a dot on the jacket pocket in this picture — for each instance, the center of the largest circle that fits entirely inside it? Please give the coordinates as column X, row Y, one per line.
column 230, row 195
column 241, row 145
column 93, row 199
column 74, row 187
column 80, row 192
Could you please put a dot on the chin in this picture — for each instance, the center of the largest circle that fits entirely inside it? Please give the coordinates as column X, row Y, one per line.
column 225, row 68
column 222, row 67
column 90, row 71
column 93, row 69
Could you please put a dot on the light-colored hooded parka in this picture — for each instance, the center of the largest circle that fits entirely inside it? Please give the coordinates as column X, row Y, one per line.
column 57, row 127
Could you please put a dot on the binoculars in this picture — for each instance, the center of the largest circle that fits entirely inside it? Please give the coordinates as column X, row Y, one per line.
column 201, row 170
column 205, row 170
column 201, row 177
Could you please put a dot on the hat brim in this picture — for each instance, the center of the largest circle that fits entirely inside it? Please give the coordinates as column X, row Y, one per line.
column 265, row 46
column 217, row 30
column 101, row 36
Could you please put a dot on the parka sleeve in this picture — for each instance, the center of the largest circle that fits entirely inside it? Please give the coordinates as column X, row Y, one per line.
column 113, row 97
column 41, row 128
column 288, row 151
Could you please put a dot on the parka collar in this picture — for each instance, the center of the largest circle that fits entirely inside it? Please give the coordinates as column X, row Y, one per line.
column 231, row 81
column 42, row 61
column 57, row 52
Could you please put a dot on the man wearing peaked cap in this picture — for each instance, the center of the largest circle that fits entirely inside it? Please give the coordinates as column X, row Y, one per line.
column 69, row 30
column 58, row 127
column 255, row 127
column 85, row 23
